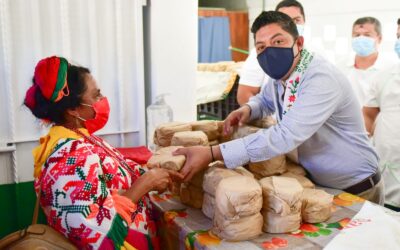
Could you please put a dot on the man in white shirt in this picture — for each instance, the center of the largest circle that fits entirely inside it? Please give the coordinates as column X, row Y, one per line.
column 252, row 77
column 366, row 38
column 383, row 99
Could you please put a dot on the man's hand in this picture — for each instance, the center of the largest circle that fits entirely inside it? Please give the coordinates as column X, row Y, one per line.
column 238, row 117
column 197, row 158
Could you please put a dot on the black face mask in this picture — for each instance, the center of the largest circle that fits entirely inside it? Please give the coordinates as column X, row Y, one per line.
column 276, row 61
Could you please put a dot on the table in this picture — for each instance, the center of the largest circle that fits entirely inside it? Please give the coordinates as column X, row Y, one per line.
column 182, row 227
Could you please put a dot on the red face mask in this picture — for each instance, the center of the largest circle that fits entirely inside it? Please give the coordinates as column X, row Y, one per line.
column 102, row 110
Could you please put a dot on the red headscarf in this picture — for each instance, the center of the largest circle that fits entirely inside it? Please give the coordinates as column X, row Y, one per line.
column 50, row 79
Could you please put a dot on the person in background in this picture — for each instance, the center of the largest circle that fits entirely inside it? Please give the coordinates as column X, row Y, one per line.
column 366, row 38
column 88, row 191
column 252, row 77
column 382, row 108
column 318, row 113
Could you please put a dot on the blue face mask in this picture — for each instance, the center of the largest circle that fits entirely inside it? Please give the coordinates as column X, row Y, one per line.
column 397, row 47
column 363, row 46
column 276, row 61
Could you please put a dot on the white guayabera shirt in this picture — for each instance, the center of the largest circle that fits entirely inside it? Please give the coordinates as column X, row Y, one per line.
column 384, row 94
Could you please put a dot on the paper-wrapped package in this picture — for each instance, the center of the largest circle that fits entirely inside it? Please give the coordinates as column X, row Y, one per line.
column 242, row 131
column 213, row 143
column 257, row 176
column 164, row 158
column 239, row 229
column 213, row 176
column 191, row 195
column 317, row 205
column 189, row 138
column 208, row 207
column 295, row 168
column 273, row 166
column 281, row 195
column 238, row 196
column 197, row 179
column 210, row 128
column 217, row 164
column 304, row 181
column 164, row 132
column 175, row 188
column 276, row 223
column 243, row 171
column 265, row 122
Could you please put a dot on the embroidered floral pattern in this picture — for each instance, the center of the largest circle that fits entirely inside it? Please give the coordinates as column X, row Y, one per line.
column 170, row 216
column 79, row 185
column 346, row 199
column 275, row 243
column 319, row 229
column 160, row 197
column 294, row 80
column 203, row 237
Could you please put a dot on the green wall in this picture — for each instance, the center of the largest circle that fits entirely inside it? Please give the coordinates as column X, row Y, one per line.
column 16, row 207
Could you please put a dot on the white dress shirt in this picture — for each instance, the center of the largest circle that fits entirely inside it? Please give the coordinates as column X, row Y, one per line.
column 384, row 93
column 360, row 78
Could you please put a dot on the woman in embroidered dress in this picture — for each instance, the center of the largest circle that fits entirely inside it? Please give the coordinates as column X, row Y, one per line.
column 88, row 191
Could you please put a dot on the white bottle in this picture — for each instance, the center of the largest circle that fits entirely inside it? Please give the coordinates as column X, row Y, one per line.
column 158, row 113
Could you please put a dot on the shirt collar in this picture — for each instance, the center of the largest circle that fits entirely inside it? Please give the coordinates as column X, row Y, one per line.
column 378, row 65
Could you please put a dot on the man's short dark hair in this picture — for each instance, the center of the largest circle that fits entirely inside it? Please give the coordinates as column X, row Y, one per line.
column 398, row 21
column 291, row 3
column 269, row 17
column 371, row 20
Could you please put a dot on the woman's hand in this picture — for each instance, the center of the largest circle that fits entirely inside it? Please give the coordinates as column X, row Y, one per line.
column 159, row 179
column 238, row 117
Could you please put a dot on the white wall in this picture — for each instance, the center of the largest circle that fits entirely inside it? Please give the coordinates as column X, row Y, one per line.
column 172, row 54
column 329, row 24
column 255, row 7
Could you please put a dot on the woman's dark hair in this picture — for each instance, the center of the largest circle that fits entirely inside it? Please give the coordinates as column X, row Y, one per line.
column 291, row 3
column 269, row 17
column 55, row 111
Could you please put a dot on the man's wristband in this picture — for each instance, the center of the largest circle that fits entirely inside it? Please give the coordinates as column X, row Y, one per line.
column 212, row 154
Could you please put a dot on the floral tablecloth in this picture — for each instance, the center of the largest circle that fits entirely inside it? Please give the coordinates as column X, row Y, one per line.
column 183, row 227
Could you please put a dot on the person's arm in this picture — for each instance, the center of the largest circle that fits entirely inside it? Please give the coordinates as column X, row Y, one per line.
column 155, row 179
column 370, row 114
column 319, row 95
column 371, row 107
column 245, row 92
